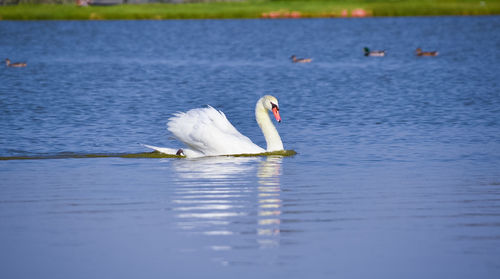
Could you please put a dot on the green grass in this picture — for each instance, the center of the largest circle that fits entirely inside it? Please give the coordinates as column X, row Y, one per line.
column 251, row 9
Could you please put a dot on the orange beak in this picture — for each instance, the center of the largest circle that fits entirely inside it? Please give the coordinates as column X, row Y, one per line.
column 276, row 113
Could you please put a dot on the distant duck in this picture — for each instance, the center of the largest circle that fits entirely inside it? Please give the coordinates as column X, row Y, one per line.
column 374, row 52
column 16, row 64
column 300, row 60
column 419, row 52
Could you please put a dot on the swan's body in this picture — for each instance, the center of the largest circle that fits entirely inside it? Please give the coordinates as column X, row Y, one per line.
column 207, row 132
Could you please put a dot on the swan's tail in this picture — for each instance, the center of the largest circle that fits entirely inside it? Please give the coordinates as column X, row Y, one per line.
column 164, row 150
column 179, row 152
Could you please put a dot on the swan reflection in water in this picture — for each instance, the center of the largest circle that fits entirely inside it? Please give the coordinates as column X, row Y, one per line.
column 220, row 195
column 270, row 203
column 215, row 169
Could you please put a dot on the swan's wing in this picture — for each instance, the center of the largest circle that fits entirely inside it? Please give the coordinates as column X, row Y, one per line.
column 208, row 131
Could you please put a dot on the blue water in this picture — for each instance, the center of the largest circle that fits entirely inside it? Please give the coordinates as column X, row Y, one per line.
column 397, row 173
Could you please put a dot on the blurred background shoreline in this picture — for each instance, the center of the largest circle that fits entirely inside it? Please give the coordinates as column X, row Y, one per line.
column 236, row 9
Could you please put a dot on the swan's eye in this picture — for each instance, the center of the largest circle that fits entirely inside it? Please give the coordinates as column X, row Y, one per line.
column 274, row 106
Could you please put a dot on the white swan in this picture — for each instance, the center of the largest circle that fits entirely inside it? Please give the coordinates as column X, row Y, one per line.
column 207, row 132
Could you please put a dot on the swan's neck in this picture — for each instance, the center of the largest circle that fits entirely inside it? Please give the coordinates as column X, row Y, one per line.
column 271, row 135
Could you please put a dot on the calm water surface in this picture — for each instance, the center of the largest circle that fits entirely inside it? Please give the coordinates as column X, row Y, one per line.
column 397, row 173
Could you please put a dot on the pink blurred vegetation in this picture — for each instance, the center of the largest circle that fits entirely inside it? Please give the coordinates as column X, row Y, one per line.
column 296, row 14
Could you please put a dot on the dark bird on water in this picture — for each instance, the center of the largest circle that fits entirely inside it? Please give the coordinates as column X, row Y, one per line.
column 300, row 60
column 373, row 52
column 15, row 64
column 419, row 52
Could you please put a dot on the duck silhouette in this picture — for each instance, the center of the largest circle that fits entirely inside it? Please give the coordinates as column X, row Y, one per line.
column 15, row 64
column 419, row 52
column 300, row 60
column 373, row 52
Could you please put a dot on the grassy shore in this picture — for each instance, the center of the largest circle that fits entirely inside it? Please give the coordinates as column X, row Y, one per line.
column 153, row 155
column 254, row 9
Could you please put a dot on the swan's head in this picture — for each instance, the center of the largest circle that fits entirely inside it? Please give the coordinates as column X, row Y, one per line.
column 271, row 103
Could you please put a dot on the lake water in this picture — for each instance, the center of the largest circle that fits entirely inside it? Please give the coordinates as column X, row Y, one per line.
column 397, row 173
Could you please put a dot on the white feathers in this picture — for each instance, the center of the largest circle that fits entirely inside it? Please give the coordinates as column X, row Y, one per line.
column 207, row 132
